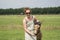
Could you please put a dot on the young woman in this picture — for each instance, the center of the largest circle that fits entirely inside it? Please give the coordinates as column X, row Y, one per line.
column 28, row 23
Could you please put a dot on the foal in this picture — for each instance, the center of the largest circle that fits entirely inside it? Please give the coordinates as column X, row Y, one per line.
column 37, row 32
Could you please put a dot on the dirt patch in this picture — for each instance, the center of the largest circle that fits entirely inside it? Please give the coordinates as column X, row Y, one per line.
column 50, row 28
column 11, row 27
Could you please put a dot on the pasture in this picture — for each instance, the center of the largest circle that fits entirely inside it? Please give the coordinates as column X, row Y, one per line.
column 11, row 27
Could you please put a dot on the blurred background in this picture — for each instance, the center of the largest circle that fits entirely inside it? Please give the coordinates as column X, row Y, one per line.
column 12, row 15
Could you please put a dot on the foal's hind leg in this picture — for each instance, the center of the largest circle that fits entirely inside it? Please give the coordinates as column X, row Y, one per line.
column 39, row 36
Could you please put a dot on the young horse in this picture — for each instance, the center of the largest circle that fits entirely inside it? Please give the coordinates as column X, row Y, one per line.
column 37, row 32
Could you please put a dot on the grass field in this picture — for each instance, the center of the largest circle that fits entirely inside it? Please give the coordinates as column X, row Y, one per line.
column 11, row 27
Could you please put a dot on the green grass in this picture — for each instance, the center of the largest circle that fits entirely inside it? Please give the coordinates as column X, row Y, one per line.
column 11, row 27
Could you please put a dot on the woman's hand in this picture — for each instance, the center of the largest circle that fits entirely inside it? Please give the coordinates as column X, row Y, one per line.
column 32, row 34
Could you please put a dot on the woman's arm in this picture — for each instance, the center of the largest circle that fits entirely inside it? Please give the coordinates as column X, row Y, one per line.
column 34, row 18
column 25, row 28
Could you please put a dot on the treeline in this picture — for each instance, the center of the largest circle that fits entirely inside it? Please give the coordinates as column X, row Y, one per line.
column 17, row 11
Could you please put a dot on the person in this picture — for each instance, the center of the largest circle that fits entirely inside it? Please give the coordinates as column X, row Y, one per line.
column 28, row 23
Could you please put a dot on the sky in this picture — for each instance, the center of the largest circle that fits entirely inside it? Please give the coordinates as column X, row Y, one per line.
column 29, row 3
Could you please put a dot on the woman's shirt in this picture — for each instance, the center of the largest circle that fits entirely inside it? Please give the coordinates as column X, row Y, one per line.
column 30, row 23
